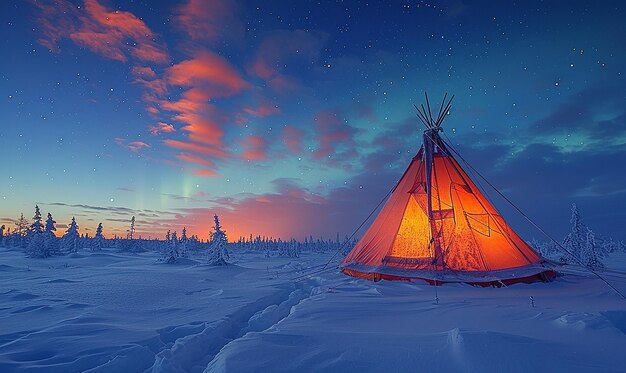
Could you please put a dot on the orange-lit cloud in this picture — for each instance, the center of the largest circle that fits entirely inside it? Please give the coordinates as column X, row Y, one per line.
column 107, row 33
column 161, row 127
column 117, row 35
column 205, row 173
column 207, row 76
column 209, row 20
column 195, row 159
column 209, row 71
column 255, row 148
column 210, row 151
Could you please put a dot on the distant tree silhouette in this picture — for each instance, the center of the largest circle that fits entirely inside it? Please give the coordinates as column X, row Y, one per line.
column 131, row 230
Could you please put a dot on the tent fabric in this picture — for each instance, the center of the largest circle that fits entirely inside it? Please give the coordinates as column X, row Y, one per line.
column 464, row 240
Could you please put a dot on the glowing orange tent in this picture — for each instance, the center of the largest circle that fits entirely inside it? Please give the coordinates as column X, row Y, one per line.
column 438, row 226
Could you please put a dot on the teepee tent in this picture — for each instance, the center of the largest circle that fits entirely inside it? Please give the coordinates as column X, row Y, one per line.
column 438, row 226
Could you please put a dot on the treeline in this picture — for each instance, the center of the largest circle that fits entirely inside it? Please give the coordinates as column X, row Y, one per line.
column 580, row 246
column 38, row 240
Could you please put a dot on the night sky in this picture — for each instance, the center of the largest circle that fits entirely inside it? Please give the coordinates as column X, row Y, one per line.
column 293, row 118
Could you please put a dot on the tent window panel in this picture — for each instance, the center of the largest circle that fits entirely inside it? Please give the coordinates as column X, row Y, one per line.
column 482, row 224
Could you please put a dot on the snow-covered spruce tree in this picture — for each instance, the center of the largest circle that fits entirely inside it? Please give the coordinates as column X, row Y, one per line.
column 71, row 238
column 184, row 241
column 50, row 224
column 218, row 253
column 35, row 246
column 2, row 228
column 576, row 240
column 98, row 240
column 37, row 226
column 44, row 244
column 590, row 257
column 172, row 255
column 20, row 231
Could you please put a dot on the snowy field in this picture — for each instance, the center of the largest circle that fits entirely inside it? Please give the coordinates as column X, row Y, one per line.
column 112, row 312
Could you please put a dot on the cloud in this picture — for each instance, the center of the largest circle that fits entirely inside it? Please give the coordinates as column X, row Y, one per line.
column 209, row 20
column 210, row 72
column 255, row 148
column 107, row 33
column 161, row 127
column 333, row 132
column 90, row 207
column 292, row 137
column 285, row 48
column 595, row 114
column 143, row 72
column 210, row 151
column 116, row 35
column 196, row 160
column 55, row 21
column 147, row 77
column 205, row 173
column 264, row 109
column 206, row 76
column 134, row 146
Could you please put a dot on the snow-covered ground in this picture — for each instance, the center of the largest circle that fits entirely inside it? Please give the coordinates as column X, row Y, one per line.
column 114, row 312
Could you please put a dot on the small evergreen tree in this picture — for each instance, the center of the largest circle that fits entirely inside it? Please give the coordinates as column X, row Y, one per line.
column 50, row 224
column 71, row 237
column 172, row 254
column 131, row 230
column 98, row 240
column 2, row 228
column 575, row 241
column 218, row 253
column 183, row 243
column 20, row 231
column 44, row 244
column 591, row 255
column 37, row 226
